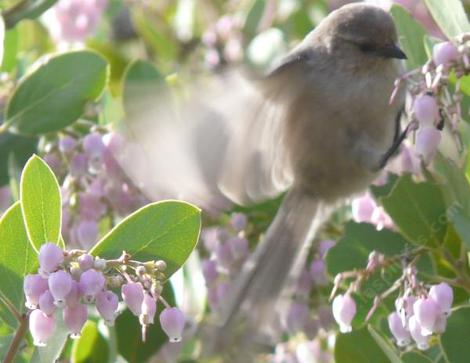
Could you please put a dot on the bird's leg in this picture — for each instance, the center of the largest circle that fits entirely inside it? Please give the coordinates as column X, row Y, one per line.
column 396, row 144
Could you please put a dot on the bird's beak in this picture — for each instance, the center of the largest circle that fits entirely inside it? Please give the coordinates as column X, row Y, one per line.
column 392, row 51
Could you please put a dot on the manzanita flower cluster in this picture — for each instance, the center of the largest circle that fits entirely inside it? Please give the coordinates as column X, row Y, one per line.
column 434, row 102
column 94, row 186
column 73, row 282
column 74, row 20
column 421, row 310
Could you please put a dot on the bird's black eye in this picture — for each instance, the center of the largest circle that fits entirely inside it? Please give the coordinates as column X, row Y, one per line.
column 367, row 47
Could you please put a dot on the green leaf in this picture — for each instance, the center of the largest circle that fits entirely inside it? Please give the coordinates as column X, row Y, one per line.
column 129, row 336
column 418, row 210
column 10, row 50
column 17, row 257
column 253, row 18
column 358, row 346
column 411, row 36
column 20, row 148
column 91, row 346
column 166, row 230
column 457, row 335
column 389, row 351
column 40, row 202
column 413, row 357
column 32, row 10
column 55, row 95
column 450, row 16
column 141, row 80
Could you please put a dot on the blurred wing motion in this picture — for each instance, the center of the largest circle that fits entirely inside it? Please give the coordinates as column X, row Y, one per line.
column 222, row 144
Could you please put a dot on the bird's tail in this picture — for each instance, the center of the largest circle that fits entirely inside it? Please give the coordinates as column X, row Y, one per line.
column 270, row 273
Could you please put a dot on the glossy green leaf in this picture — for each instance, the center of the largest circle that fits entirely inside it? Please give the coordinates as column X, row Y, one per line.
column 166, row 230
column 91, row 346
column 411, row 37
column 386, row 347
column 17, row 257
column 413, row 357
column 40, row 202
column 129, row 334
column 358, row 346
column 418, row 210
column 457, row 335
column 450, row 16
column 54, row 95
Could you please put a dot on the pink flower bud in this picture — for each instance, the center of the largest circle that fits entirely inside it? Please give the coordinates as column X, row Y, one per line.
column 224, row 255
column 74, row 319
column 60, row 284
column 46, row 303
column 426, row 311
column 50, row 257
column 344, row 309
column 172, row 321
column 416, row 333
column 304, row 283
column 238, row 247
column 444, row 53
column 440, row 324
column 223, row 290
column 73, row 298
column 296, row 318
column 78, row 165
column 404, row 306
column 34, row 286
column 426, row 110
column 107, row 304
column 427, row 142
column 67, row 144
column 238, row 221
column 41, row 327
column 91, row 283
column 363, row 208
column 86, row 261
column 209, row 270
column 149, row 308
column 318, row 272
column 87, row 233
column 133, row 296
column 93, row 145
column 443, row 295
column 400, row 333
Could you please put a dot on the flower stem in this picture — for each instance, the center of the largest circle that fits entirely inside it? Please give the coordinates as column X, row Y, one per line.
column 15, row 343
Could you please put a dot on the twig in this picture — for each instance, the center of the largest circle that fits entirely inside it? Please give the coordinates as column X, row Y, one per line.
column 15, row 343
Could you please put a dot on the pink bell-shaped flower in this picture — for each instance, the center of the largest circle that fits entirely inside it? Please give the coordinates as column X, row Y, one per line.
column 172, row 321
column 41, row 327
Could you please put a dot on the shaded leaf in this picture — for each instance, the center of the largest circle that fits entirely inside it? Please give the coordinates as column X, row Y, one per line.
column 91, row 346
column 358, row 346
column 457, row 335
column 55, row 94
column 17, row 257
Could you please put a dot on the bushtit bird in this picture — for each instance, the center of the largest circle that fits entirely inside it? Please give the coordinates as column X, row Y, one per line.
column 318, row 125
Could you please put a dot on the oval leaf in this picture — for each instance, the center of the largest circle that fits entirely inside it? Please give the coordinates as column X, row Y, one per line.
column 17, row 257
column 450, row 16
column 411, row 36
column 55, row 95
column 91, row 346
column 166, row 230
column 457, row 335
column 358, row 346
column 422, row 219
column 40, row 202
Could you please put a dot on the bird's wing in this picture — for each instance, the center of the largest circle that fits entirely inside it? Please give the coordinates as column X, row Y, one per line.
column 222, row 144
